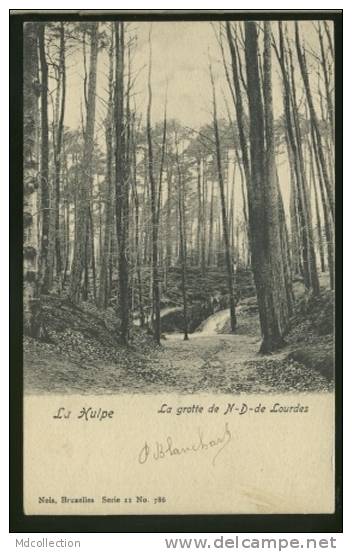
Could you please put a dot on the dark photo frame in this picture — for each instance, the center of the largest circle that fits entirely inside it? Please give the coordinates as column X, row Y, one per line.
column 19, row 521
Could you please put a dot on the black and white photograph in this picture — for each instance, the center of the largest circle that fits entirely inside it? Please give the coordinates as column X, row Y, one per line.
column 179, row 210
column 179, row 264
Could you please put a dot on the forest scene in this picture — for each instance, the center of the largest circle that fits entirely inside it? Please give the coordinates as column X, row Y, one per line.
column 178, row 206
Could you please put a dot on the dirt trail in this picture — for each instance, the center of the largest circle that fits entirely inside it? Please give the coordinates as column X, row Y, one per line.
column 230, row 363
column 207, row 362
column 213, row 324
column 212, row 360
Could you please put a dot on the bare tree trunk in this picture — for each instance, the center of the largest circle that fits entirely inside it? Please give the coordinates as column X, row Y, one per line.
column 58, row 149
column 103, row 294
column 328, row 224
column 161, row 233
column 243, row 183
column 92, row 250
column 295, row 230
column 122, row 192
column 241, row 120
column 211, row 225
column 329, row 103
column 82, row 212
column 86, row 263
column 203, row 215
column 199, row 215
column 44, row 170
column 317, row 210
column 162, row 163
column 229, row 261
column 304, row 197
column 282, row 297
column 286, row 253
column 31, row 300
column 315, row 123
column 183, row 252
column 232, row 216
column 67, row 227
column 154, row 207
column 263, row 204
column 136, row 236
column 295, row 141
column 168, row 226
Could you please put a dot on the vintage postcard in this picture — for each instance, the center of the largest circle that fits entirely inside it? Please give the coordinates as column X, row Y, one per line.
column 178, row 265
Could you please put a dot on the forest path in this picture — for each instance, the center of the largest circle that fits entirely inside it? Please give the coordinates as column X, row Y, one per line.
column 229, row 363
column 209, row 360
column 215, row 322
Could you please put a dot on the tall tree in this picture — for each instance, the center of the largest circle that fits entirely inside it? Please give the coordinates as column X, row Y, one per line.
column 169, row 176
column 153, row 204
column 317, row 209
column 240, row 112
column 122, row 184
column 58, row 147
column 263, row 197
column 137, row 229
column 328, row 223
column 229, row 260
column 295, row 153
column 328, row 95
column 183, row 249
column 85, row 183
column 314, row 120
column 31, row 91
column 211, row 225
column 277, row 229
column 103, row 291
column 44, row 165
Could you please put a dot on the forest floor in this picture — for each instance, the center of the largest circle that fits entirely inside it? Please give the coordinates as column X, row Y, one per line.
column 82, row 354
